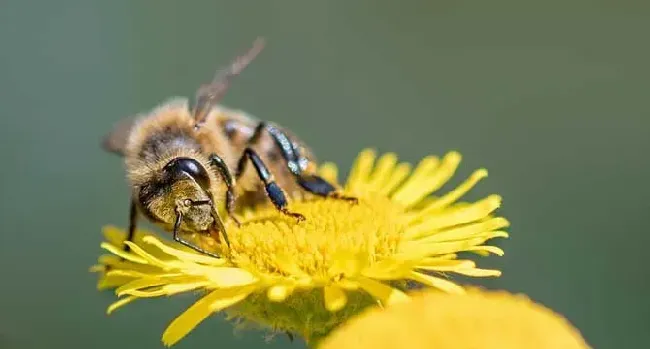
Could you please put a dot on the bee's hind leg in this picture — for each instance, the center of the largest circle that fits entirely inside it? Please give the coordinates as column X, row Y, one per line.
column 273, row 190
column 319, row 186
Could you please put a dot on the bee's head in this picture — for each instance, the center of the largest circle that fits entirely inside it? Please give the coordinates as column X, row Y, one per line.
column 183, row 189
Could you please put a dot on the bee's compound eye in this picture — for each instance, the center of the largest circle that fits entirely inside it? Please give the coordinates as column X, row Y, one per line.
column 179, row 166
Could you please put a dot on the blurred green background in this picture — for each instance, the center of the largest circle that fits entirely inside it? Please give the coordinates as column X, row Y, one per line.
column 551, row 97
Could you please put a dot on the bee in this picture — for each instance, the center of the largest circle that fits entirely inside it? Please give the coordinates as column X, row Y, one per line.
column 182, row 161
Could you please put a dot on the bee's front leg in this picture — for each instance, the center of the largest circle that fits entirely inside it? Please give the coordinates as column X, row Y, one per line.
column 133, row 221
column 217, row 162
column 181, row 207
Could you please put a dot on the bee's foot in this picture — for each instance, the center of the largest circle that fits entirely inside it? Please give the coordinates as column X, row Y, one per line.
column 339, row 196
column 236, row 221
column 297, row 216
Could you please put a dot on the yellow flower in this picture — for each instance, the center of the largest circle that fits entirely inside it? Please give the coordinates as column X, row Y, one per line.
column 308, row 277
column 478, row 319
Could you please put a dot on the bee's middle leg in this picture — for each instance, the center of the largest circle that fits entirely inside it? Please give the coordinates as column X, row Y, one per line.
column 308, row 181
column 273, row 190
column 319, row 186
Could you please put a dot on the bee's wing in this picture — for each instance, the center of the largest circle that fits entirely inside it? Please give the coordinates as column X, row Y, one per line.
column 115, row 141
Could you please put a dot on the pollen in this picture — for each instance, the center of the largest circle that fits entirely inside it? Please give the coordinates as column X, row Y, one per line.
column 307, row 277
column 274, row 244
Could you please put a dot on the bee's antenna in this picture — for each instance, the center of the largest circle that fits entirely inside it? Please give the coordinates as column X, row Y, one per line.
column 209, row 94
column 241, row 62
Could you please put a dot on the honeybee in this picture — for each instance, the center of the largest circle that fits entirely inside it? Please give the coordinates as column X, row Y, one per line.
column 183, row 161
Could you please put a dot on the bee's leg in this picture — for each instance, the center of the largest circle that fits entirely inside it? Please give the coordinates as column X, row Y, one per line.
column 219, row 223
column 273, row 190
column 290, row 335
column 310, row 182
column 177, row 238
column 319, row 186
column 286, row 146
column 133, row 221
column 227, row 177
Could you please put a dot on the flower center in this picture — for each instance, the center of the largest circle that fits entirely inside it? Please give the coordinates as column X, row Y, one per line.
column 335, row 232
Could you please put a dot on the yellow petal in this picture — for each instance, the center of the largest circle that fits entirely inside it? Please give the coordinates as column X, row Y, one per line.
column 346, row 264
column 187, row 256
column 481, row 253
column 455, row 194
column 138, row 284
column 489, row 249
column 433, row 260
column 413, row 186
column 360, row 170
column 117, row 237
column 97, row 268
column 114, row 235
column 439, row 283
column 222, row 277
column 121, row 253
column 112, row 281
column 148, row 293
column 448, row 218
column 215, row 301
column 432, row 182
column 415, row 250
column 146, row 255
column 329, row 171
column 466, row 231
column 109, row 259
column 288, row 265
column 383, row 170
column 335, row 298
column 278, row 293
column 448, row 265
column 134, row 273
column 477, row 272
column 388, row 269
column 166, row 290
column 118, row 304
column 384, row 293
column 114, row 263
column 348, row 285
column 392, row 183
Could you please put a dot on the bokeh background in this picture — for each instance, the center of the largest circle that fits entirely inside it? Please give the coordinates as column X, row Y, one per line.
column 550, row 96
